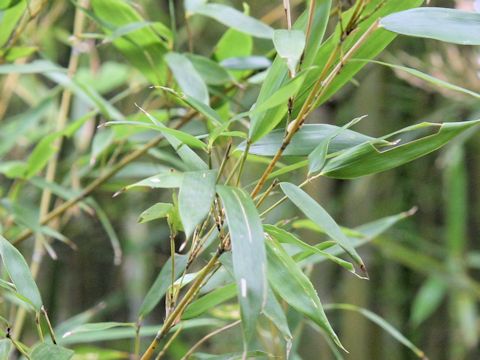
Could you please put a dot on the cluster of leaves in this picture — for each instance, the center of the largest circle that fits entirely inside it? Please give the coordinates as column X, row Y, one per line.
column 224, row 221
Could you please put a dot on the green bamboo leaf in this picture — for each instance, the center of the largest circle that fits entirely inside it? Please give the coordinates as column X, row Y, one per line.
column 165, row 180
column 19, row 273
column 209, row 301
column 235, row 19
column 306, row 140
column 274, row 311
column 449, row 25
column 293, row 286
column 397, row 335
column 181, row 136
column 46, row 351
column 210, row 71
column 144, row 48
column 7, row 4
column 365, row 159
column 290, row 45
column 129, row 333
column 162, row 283
column 5, row 349
column 187, row 77
column 9, row 17
column 285, row 237
column 254, row 62
column 317, row 158
column 426, row 77
column 195, row 198
column 277, row 76
column 92, row 327
column 248, row 254
column 157, row 211
column 317, row 214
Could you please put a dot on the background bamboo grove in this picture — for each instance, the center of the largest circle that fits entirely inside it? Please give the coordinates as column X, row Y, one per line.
column 224, row 179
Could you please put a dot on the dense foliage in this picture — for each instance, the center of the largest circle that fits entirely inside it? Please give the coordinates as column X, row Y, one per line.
column 226, row 134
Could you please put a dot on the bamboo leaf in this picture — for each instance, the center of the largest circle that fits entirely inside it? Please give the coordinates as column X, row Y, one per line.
column 92, row 327
column 165, row 180
column 427, row 300
column 285, row 237
column 449, row 25
column 397, row 335
column 317, row 214
column 195, row 198
column 157, row 211
column 209, row 301
column 366, row 158
column 426, row 77
column 5, row 348
column 19, row 273
column 248, row 254
column 235, row 19
column 293, row 286
column 210, row 71
column 46, row 351
column 187, row 77
column 306, row 140
column 290, row 45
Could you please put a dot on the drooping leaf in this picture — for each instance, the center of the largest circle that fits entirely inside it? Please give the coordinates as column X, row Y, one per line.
column 253, row 62
column 428, row 78
column 449, row 25
column 19, row 273
column 293, row 286
column 248, row 254
column 195, row 198
column 235, row 19
column 290, row 45
column 306, row 140
column 46, row 351
column 187, row 77
column 285, row 237
column 317, row 214
column 162, row 283
column 366, row 158
column 397, row 335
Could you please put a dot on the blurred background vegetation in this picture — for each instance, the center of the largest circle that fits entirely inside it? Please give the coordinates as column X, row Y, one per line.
column 424, row 273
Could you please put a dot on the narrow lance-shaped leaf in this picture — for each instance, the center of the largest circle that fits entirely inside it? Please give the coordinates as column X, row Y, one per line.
column 449, row 25
column 19, row 273
column 195, row 198
column 365, row 159
column 307, row 139
column 284, row 236
column 293, row 286
column 289, row 45
column 317, row 214
column 317, row 158
column 210, row 300
column 157, row 211
column 426, row 77
column 248, row 254
column 97, row 327
column 235, row 19
column 382, row 323
column 187, row 77
column 161, row 284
